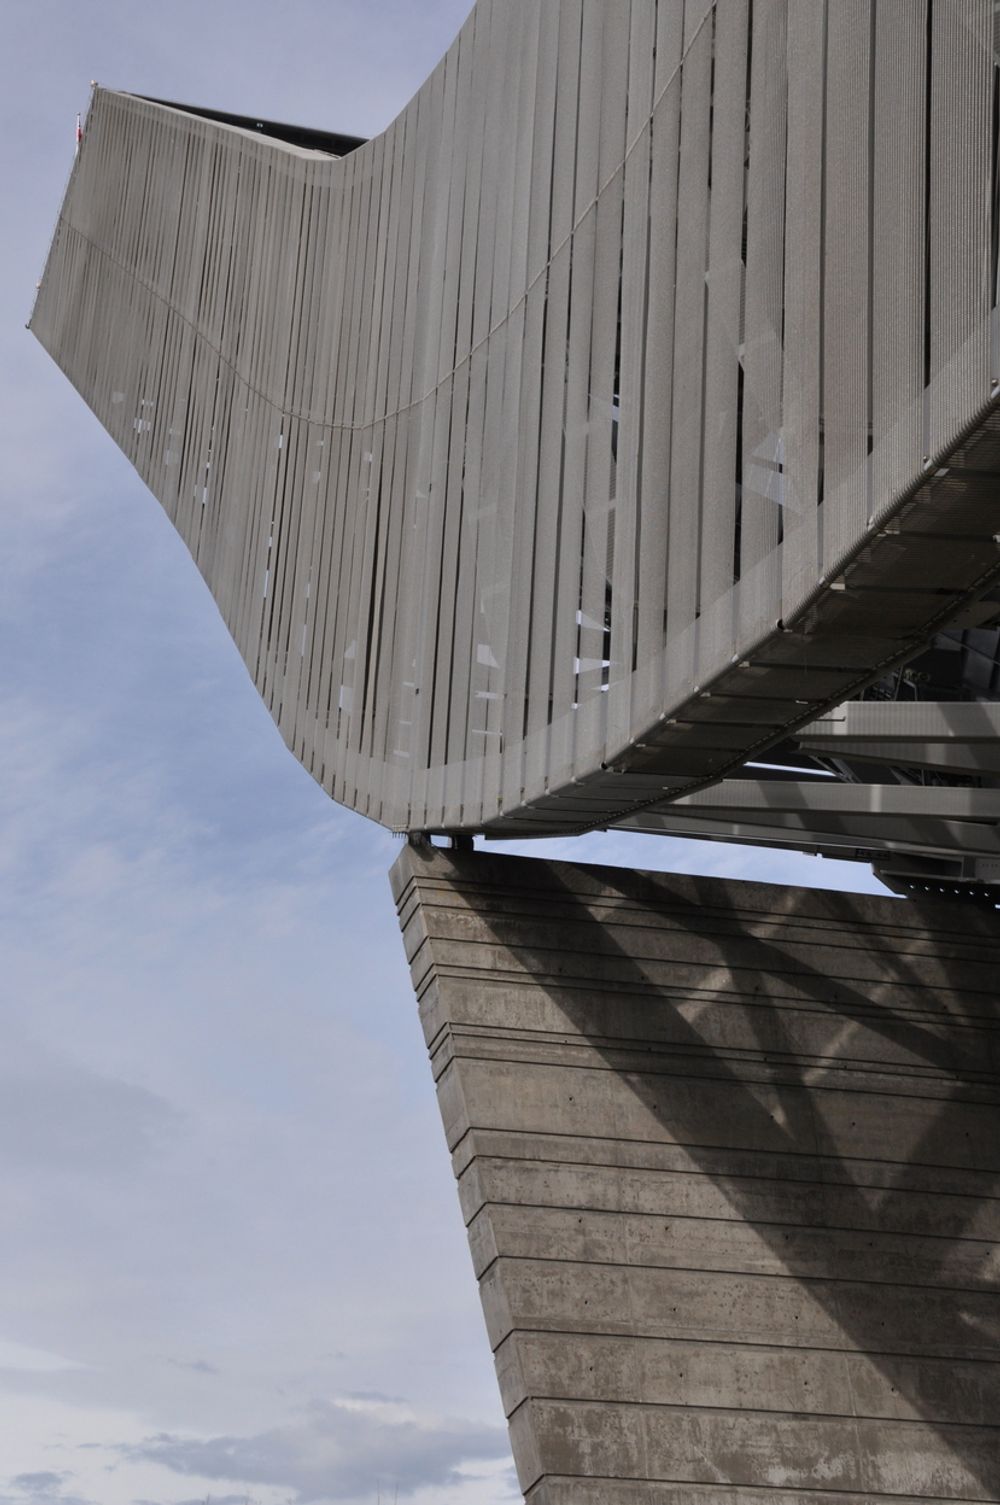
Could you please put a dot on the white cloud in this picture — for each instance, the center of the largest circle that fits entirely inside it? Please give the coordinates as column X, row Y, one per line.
column 25, row 1359
column 337, row 1451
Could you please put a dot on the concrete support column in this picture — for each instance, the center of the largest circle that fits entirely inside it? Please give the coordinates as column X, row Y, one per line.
column 729, row 1155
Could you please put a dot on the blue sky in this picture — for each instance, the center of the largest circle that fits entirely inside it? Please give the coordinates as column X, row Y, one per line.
column 231, row 1257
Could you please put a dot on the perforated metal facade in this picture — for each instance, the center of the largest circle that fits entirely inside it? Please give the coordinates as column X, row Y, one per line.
column 592, row 427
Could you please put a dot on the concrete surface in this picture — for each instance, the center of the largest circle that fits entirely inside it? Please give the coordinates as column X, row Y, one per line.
column 729, row 1158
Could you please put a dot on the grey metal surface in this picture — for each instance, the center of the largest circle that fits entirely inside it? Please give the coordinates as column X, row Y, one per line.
column 556, row 450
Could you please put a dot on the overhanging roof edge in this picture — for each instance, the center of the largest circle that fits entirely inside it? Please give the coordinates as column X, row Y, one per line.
column 306, row 138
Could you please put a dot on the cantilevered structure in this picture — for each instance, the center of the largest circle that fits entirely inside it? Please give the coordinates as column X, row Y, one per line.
column 626, row 405
column 615, row 440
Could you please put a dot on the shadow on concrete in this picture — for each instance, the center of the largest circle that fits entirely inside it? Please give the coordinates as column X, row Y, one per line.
column 964, row 1074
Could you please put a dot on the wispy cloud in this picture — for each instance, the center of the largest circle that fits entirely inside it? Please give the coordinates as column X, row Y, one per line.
column 42, row 1487
column 21, row 1358
column 336, row 1451
column 197, row 1366
column 57, row 1115
column 239, row 1499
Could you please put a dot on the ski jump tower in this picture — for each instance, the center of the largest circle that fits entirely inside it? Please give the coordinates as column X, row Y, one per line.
column 615, row 443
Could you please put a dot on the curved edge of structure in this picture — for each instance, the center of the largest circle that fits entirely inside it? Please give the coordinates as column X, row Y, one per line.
column 378, row 396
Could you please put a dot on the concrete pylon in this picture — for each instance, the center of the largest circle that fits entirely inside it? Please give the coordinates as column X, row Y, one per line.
column 729, row 1155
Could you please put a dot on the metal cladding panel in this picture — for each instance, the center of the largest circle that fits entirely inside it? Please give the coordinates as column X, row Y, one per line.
column 574, row 398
